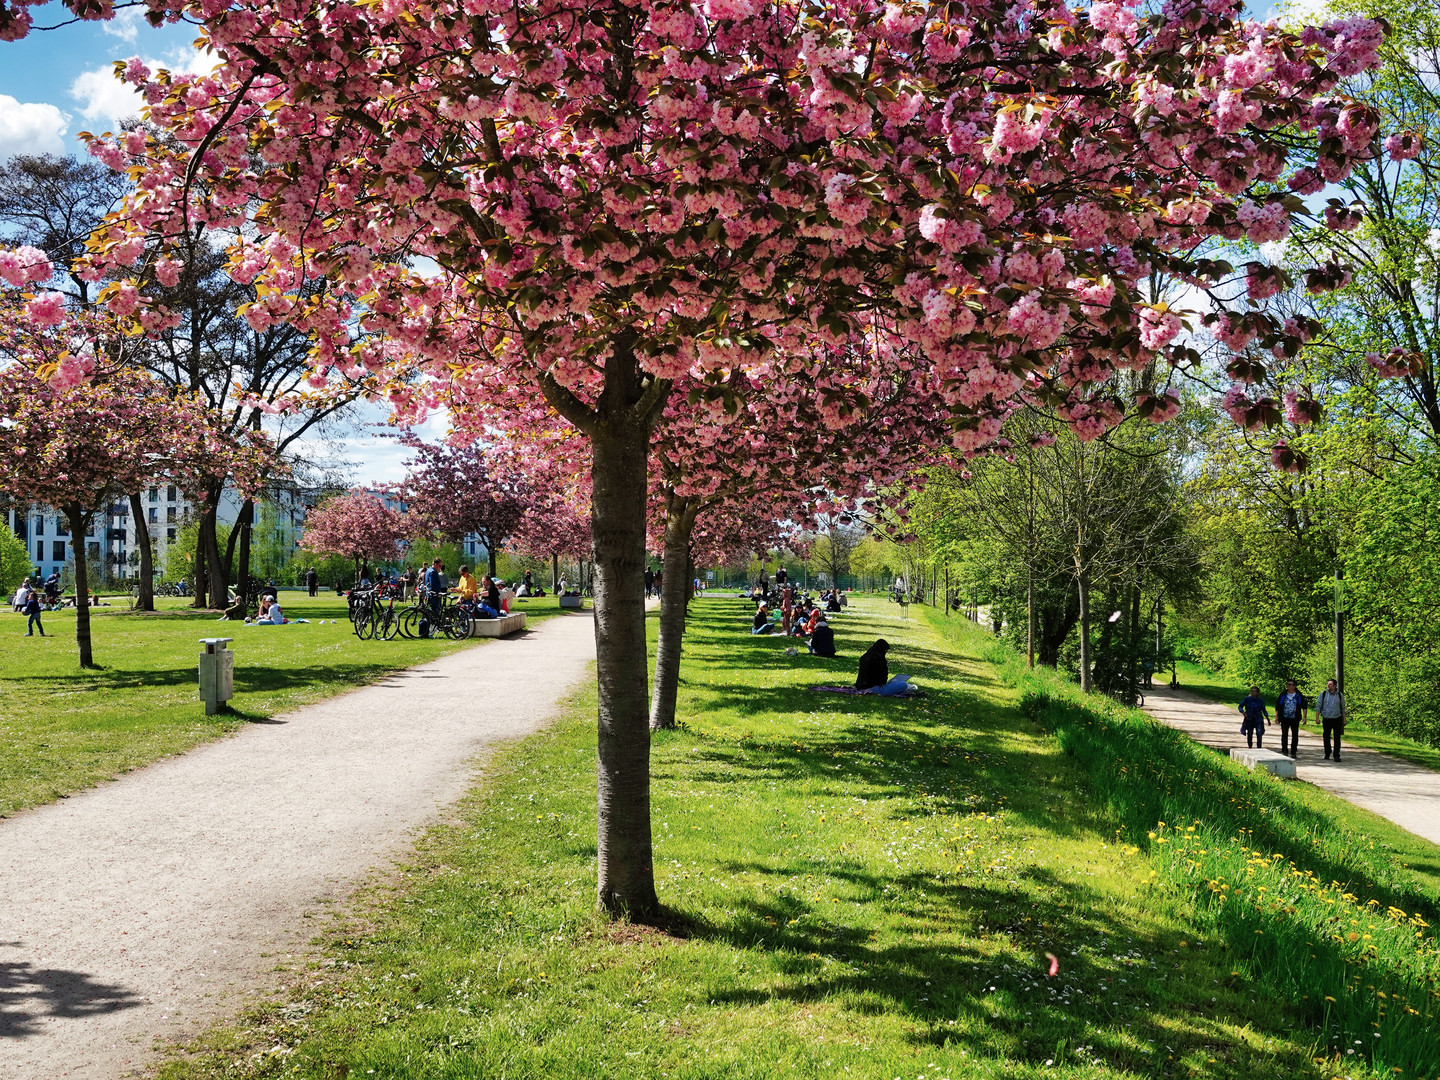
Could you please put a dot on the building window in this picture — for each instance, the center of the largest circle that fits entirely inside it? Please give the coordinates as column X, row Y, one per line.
column 62, row 527
column 154, row 515
column 155, row 494
column 58, row 548
column 170, row 513
column 170, row 493
column 170, row 534
column 93, row 549
column 39, row 526
column 40, row 551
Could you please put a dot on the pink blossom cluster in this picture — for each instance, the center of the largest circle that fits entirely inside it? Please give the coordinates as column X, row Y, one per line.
column 24, row 265
column 1158, row 328
column 1396, row 364
column 1264, row 222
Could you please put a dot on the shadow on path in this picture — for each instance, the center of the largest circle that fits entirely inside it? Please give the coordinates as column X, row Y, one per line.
column 29, row 994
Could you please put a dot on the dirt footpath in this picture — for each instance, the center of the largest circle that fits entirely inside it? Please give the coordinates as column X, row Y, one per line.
column 149, row 906
column 1407, row 794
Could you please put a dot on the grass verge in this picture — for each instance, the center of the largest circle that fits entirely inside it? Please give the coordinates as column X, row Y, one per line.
column 1218, row 687
column 63, row 729
column 857, row 887
column 1317, row 909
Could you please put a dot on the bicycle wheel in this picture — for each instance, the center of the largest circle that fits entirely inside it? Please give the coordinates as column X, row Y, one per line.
column 410, row 623
column 389, row 624
column 457, row 624
column 365, row 626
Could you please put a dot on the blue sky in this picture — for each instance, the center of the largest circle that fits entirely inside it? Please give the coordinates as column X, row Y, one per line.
column 56, row 83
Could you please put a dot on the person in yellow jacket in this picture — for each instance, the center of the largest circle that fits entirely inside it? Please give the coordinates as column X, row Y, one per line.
column 467, row 588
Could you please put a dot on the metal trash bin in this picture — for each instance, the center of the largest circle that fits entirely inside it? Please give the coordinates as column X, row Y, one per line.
column 217, row 674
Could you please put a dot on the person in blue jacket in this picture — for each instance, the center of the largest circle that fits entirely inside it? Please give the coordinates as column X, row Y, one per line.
column 1255, row 713
column 1290, row 708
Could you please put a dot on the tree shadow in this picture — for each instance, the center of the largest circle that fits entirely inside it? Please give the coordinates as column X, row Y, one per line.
column 29, row 995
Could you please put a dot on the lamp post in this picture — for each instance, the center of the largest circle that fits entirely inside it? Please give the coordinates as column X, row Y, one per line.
column 1340, row 606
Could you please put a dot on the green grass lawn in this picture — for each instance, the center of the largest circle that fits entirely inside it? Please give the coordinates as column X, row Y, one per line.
column 1220, row 687
column 856, row 887
column 63, row 729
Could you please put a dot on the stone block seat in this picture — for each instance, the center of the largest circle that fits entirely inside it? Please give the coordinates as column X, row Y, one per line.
column 574, row 602
column 1273, row 762
column 505, row 624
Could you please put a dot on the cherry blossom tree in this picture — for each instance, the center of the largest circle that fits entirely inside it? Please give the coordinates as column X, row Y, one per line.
column 79, row 427
column 457, row 491
column 635, row 192
column 357, row 525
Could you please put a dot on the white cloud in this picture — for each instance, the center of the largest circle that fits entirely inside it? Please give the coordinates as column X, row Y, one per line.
column 103, row 98
column 125, row 25
column 31, row 127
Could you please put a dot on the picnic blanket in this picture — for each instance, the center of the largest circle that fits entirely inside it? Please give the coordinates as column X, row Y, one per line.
column 910, row 692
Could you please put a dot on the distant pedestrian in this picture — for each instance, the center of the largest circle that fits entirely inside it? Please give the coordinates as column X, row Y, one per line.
column 1331, row 707
column 1290, row 710
column 659, row 581
column 649, row 583
column 33, row 608
column 1255, row 713
column 312, row 580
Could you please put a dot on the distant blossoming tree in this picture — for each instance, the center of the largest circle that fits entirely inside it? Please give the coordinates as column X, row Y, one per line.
column 358, row 526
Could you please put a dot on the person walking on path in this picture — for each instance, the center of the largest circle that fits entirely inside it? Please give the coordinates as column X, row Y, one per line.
column 649, row 583
column 1290, row 710
column 33, row 608
column 1253, row 726
column 312, row 580
column 1331, row 707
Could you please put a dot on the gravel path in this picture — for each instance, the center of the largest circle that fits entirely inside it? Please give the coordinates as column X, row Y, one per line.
column 1408, row 795
column 147, row 907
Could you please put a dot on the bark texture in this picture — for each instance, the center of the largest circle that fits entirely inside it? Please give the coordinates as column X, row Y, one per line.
column 626, row 870
column 674, row 594
column 146, row 600
column 79, row 525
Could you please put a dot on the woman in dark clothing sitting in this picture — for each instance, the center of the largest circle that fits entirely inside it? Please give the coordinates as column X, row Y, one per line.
column 874, row 675
column 761, row 623
column 822, row 641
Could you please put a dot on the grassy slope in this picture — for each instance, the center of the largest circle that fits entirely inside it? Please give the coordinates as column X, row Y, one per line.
column 62, row 729
column 1218, row 687
column 859, row 887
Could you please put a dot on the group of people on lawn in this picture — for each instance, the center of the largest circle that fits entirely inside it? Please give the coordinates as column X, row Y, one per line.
column 1291, row 710
column 873, row 674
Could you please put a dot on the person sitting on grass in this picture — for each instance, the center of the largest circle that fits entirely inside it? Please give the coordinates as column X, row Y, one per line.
column 761, row 623
column 1253, row 726
column 822, row 640
column 873, row 676
column 832, row 601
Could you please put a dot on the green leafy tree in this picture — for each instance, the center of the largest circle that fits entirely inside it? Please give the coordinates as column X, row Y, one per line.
column 14, row 561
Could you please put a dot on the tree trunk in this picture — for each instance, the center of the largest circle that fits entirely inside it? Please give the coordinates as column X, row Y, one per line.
column 245, row 523
column 555, row 573
column 679, row 524
column 200, row 591
column 217, row 580
column 625, row 851
column 1082, row 582
column 228, row 561
column 80, row 525
column 146, row 600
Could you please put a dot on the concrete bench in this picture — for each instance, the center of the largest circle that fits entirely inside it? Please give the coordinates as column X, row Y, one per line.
column 575, row 602
column 1276, row 764
column 505, row 624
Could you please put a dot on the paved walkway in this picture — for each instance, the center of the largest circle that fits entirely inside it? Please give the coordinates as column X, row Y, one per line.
column 1408, row 795
column 147, row 907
